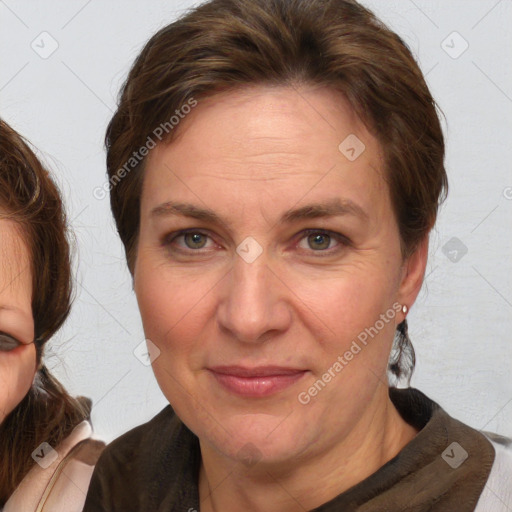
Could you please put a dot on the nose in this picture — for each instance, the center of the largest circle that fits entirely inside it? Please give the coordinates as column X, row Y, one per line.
column 253, row 305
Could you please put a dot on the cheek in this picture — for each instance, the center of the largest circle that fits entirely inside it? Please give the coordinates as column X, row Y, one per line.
column 174, row 305
column 17, row 371
column 352, row 316
column 175, row 308
column 349, row 300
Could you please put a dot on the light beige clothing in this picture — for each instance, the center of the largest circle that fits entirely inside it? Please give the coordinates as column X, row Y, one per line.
column 62, row 486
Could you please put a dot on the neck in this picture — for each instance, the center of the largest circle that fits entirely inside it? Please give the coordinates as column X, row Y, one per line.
column 307, row 483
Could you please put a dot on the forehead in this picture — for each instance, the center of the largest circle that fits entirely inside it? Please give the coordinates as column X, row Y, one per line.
column 267, row 120
column 266, row 141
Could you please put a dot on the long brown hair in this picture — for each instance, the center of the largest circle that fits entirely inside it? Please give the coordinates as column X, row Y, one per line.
column 227, row 44
column 48, row 413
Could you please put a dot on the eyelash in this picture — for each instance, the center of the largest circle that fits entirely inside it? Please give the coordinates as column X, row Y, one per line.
column 342, row 240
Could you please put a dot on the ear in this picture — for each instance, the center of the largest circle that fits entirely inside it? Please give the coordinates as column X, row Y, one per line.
column 413, row 272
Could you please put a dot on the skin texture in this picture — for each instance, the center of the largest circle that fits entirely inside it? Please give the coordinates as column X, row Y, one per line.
column 18, row 366
column 250, row 156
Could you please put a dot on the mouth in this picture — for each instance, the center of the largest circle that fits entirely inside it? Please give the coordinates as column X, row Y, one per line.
column 256, row 382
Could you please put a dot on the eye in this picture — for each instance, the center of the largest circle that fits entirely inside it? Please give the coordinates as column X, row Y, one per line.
column 186, row 240
column 322, row 241
column 8, row 343
column 315, row 240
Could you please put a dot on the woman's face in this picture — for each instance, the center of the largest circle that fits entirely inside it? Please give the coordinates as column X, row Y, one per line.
column 17, row 352
column 274, row 313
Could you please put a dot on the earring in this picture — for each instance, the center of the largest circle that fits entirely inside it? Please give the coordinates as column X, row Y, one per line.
column 405, row 309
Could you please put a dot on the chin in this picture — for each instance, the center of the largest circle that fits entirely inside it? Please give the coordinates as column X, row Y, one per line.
column 256, row 438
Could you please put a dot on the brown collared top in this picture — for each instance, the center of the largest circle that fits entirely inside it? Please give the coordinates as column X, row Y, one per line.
column 155, row 467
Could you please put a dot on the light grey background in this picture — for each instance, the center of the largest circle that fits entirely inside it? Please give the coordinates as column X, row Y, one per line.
column 461, row 323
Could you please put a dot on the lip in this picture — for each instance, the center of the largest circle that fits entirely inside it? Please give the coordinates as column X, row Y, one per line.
column 256, row 382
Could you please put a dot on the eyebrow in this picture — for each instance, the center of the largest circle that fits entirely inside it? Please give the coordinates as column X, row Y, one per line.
column 9, row 308
column 332, row 208
column 15, row 309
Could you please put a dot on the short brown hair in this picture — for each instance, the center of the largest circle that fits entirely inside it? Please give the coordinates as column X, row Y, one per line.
column 227, row 44
column 29, row 197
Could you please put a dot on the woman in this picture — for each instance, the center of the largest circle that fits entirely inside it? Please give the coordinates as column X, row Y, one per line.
column 46, row 454
column 275, row 169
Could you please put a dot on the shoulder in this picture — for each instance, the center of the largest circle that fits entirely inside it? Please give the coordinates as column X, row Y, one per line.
column 133, row 446
column 497, row 494
column 140, row 468
column 61, row 475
